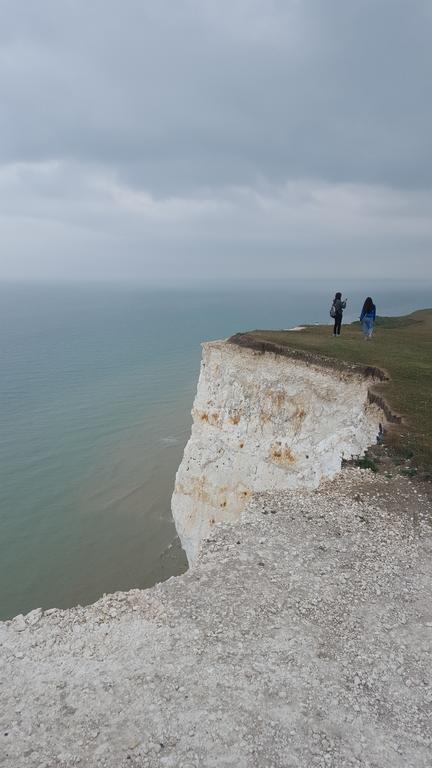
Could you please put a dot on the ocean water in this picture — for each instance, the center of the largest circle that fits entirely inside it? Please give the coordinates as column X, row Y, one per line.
column 96, row 387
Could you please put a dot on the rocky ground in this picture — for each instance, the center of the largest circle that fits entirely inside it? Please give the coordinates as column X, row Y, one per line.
column 302, row 638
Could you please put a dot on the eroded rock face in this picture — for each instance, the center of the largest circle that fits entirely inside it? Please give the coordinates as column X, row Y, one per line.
column 264, row 422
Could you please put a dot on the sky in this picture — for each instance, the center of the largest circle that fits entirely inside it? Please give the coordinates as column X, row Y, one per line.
column 165, row 140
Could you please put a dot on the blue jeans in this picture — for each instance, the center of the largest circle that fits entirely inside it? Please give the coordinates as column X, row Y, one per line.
column 368, row 325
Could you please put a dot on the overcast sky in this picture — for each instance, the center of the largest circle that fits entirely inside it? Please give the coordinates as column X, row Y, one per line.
column 157, row 139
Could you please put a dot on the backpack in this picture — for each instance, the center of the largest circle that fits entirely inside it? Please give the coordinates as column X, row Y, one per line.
column 332, row 311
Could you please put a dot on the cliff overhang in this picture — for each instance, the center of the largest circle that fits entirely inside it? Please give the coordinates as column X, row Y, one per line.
column 371, row 372
column 268, row 418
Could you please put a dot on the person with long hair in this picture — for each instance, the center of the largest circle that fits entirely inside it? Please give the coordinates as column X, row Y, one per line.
column 367, row 318
column 336, row 312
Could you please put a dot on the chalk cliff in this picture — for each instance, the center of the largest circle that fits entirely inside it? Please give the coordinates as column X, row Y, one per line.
column 264, row 421
column 303, row 631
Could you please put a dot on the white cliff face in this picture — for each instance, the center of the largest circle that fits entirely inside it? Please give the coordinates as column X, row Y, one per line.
column 264, row 422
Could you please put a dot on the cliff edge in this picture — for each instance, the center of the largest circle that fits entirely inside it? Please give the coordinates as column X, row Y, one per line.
column 266, row 421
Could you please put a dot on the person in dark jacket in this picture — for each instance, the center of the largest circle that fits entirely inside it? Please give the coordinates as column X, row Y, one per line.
column 338, row 308
column 367, row 318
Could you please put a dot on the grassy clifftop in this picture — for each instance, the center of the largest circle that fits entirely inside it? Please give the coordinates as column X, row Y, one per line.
column 402, row 347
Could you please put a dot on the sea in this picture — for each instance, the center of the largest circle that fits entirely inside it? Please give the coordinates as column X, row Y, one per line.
column 96, row 387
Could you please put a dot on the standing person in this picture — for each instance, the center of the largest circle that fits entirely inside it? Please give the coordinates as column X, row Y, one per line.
column 367, row 318
column 336, row 311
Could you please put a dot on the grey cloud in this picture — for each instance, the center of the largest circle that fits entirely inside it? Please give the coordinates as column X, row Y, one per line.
column 192, row 93
column 198, row 135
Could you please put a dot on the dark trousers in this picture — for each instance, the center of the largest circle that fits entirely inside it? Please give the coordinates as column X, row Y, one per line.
column 337, row 324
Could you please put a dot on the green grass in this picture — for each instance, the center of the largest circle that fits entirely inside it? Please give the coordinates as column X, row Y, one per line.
column 367, row 463
column 402, row 347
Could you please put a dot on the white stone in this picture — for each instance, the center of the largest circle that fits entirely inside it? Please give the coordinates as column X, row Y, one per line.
column 34, row 616
column 264, row 422
column 19, row 623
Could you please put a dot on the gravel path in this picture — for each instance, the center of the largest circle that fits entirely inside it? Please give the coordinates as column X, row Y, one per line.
column 302, row 638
